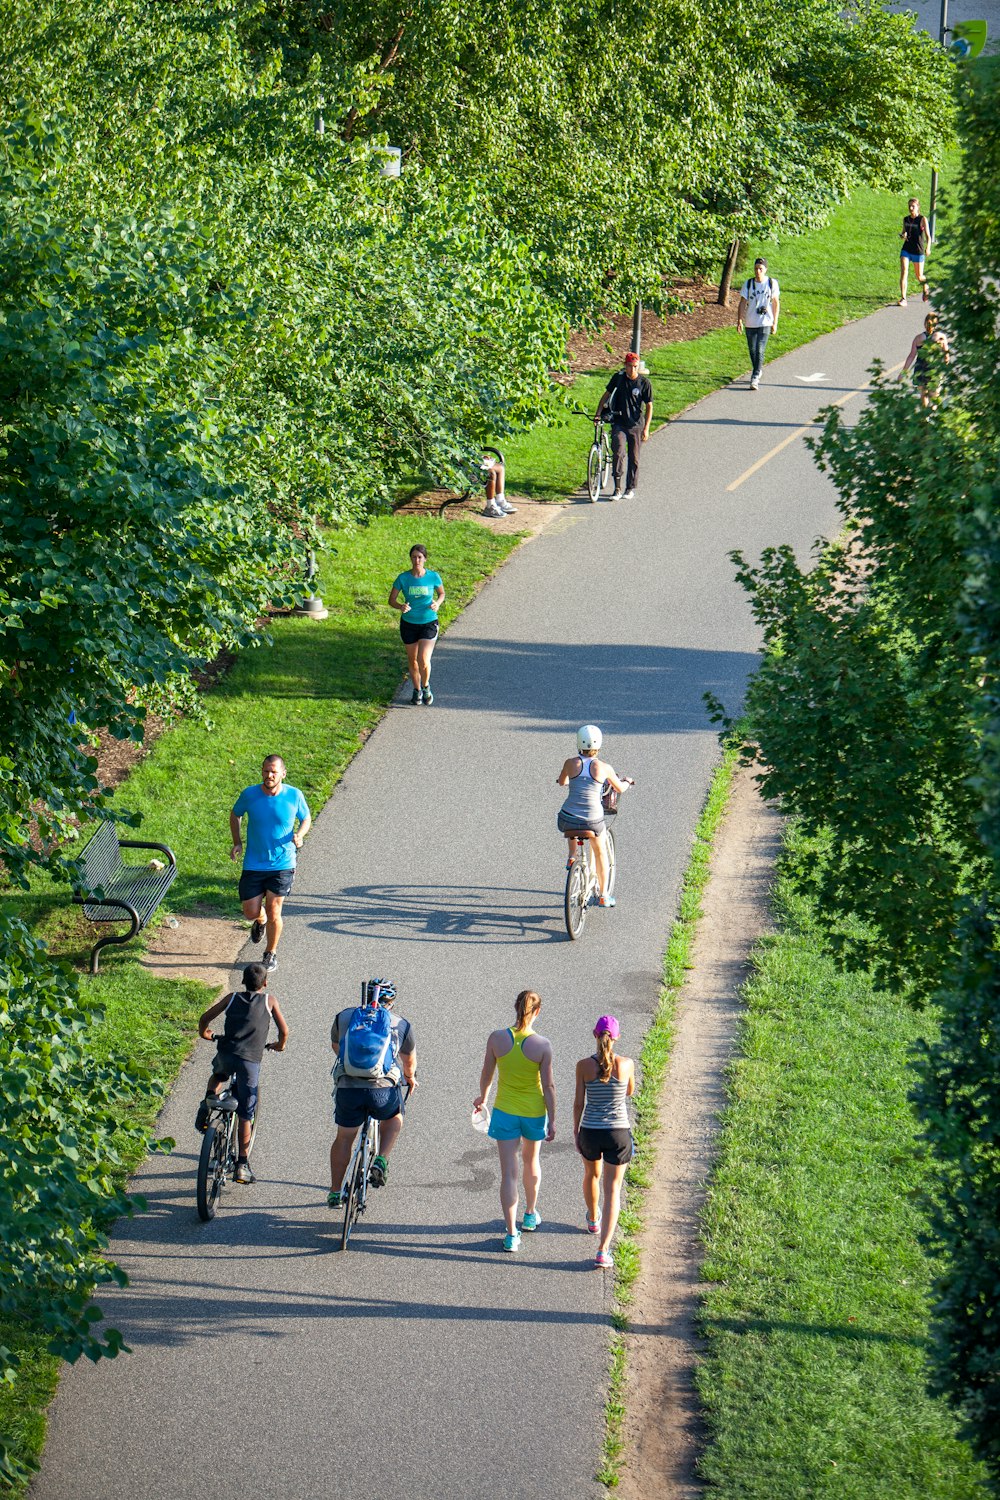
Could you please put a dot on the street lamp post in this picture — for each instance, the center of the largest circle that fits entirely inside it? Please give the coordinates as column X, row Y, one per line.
column 636, row 327
column 932, row 215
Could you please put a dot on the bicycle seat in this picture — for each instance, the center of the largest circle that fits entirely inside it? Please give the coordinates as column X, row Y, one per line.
column 227, row 1104
column 576, row 833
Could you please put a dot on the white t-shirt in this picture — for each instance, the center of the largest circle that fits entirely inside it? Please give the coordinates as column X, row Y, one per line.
column 759, row 301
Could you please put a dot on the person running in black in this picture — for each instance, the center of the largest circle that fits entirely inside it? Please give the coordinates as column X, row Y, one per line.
column 241, row 1047
column 916, row 237
column 628, row 394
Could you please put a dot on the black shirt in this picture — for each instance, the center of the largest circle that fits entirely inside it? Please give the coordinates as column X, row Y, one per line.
column 627, row 397
column 248, row 1020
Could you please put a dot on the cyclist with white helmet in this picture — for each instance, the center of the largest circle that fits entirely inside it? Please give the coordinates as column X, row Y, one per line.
column 582, row 814
column 376, row 1054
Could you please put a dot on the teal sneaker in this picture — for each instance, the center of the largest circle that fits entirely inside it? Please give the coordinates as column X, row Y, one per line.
column 378, row 1172
column 512, row 1242
column 531, row 1221
column 335, row 1198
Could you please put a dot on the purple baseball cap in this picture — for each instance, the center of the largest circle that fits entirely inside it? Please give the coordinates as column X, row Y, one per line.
column 608, row 1024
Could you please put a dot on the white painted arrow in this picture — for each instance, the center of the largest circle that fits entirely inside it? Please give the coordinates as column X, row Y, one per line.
column 818, row 376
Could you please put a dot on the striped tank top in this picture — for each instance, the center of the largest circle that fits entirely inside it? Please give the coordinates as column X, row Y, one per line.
column 583, row 795
column 519, row 1091
column 604, row 1106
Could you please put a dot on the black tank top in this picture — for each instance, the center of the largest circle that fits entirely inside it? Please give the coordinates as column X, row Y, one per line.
column 915, row 242
column 248, row 1021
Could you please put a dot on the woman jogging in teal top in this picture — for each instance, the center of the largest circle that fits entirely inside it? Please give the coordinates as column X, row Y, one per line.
column 418, row 595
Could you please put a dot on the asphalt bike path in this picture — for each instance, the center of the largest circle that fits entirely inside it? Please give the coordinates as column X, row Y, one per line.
column 424, row 1361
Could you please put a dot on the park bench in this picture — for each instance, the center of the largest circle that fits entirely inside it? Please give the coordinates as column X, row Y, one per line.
column 113, row 890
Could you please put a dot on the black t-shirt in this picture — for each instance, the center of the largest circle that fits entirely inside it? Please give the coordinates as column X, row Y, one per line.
column 627, row 397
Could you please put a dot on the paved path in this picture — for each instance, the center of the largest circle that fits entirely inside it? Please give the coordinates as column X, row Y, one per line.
column 424, row 1362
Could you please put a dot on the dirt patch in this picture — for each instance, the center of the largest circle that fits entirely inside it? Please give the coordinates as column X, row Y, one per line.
column 201, row 946
column 532, row 515
column 662, row 1425
column 605, row 349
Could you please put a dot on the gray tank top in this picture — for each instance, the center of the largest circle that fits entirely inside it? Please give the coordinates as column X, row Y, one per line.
column 605, row 1106
column 583, row 795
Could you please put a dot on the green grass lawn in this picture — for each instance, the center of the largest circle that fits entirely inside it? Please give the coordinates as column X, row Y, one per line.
column 312, row 695
column 826, row 278
column 816, row 1312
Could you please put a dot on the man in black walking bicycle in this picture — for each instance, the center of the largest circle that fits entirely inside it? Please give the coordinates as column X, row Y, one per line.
column 627, row 396
column 241, row 1045
column 376, row 1054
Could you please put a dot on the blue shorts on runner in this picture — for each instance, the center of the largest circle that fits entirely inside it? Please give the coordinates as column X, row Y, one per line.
column 505, row 1127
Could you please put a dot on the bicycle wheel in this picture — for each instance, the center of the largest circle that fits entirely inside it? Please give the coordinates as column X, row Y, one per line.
column 357, row 1181
column 609, row 855
column 575, row 900
column 211, row 1171
column 607, row 462
column 594, row 472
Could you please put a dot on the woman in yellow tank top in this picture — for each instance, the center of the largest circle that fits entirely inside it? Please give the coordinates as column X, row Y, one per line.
column 525, row 1110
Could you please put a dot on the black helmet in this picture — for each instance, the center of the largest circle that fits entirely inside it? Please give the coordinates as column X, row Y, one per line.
column 380, row 992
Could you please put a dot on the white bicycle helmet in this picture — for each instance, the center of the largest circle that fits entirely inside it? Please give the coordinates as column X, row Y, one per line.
column 588, row 739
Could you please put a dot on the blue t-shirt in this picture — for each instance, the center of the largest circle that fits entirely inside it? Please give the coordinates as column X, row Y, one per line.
column 270, row 825
column 418, row 593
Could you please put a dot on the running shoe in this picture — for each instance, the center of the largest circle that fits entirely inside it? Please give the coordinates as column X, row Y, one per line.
column 335, row 1198
column 606, row 901
column 416, row 696
column 603, row 1260
column 531, row 1221
column 512, row 1242
column 629, row 495
column 618, row 495
column 755, row 383
column 593, row 1226
column 493, row 511
column 428, row 697
column 927, row 295
column 901, row 302
column 256, row 930
column 243, row 1173
column 378, row 1172
column 202, row 1117
column 506, row 508
column 270, row 960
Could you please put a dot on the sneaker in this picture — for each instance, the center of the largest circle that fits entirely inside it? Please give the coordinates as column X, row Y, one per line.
column 618, row 495
column 507, row 508
column 606, row 901
column 493, row 511
column 270, row 960
column 629, row 494
column 531, row 1222
column 593, row 1226
column 415, row 697
column 901, row 302
column 428, row 697
column 603, row 1260
column 202, row 1117
column 755, row 383
column 512, row 1242
column 256, row 930
column 335, row 1198
column 927, row 295
column 378, row 1172
column 243, row 1173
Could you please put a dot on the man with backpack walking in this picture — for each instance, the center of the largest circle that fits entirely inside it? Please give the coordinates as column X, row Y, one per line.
column 376, row 1053
column 758, row 313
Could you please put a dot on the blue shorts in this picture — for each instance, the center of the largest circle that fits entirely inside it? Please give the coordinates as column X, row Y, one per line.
column 352, row 1106
column 917, row 260
column 247, row 1081
column 505, row 1127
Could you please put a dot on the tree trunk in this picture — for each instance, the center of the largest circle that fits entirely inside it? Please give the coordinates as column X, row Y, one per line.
column 727, row 272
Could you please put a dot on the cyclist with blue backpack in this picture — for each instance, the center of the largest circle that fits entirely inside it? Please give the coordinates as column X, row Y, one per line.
column 376, row 1054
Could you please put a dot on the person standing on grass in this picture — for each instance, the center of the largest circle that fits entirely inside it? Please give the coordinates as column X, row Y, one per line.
column 525, row 1111
column 418, row 595
column 602, row 1132
column 628, row 395
column 916, row 237
column 758, row 313
column 272, row 811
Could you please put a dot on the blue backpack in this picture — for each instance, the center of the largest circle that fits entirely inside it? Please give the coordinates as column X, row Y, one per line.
column 369, row 1046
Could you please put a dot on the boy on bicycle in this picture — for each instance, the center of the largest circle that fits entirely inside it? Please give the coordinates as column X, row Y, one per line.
column 242, row 1045
column 375, row 1054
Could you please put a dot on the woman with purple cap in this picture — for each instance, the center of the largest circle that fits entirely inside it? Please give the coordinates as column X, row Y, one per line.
column 602, row 1132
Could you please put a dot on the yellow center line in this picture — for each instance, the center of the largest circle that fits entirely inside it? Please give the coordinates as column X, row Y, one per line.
column 748, row 473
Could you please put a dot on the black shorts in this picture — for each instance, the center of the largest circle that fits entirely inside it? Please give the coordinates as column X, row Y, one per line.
column 247, row 1081
column 413, row 633
column 352, row 1106
column 614, row 1145
column 258, row 882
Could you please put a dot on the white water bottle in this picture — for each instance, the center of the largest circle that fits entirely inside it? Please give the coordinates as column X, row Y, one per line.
column 481, row 1119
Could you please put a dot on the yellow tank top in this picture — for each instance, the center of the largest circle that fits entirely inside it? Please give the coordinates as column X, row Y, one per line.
column 519, row 1091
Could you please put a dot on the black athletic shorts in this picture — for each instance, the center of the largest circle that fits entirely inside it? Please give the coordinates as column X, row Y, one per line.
column 257, row 882
column 413, row 633
column 614, row 1145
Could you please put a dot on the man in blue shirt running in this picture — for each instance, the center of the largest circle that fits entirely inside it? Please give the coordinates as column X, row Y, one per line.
column 273, row 841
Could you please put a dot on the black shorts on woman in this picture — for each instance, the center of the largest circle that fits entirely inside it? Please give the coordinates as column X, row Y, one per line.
column 411, row 634
column 615, row 1145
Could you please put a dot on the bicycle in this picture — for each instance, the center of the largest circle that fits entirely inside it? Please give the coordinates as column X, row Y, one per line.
column 599, row 460
column 358, row 1173
column 582, row 885
column 220, row 1148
